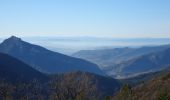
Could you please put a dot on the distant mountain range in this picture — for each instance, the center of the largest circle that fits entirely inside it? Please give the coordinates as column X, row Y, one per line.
column 13, row 70
column 146, row 63
column 115, row 61
column 45, row 60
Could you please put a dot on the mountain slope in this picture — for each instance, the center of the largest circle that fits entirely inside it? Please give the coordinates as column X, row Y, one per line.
column 67, row 86
column 117, row 54
column 14, row 70
column 45, row 60
column 107, row 59
column 157, row 88
column 146, row 63
column 139, row 79
column 85, row 85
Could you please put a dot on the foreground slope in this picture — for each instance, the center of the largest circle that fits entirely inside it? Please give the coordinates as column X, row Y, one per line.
column 83, row 86
column 45, row 60
column 13, row 70
column 156, row 89
column 18, row 81
column 67, row 86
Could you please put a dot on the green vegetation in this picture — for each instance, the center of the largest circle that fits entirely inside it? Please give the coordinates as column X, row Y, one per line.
column 163, row 95
column 156, row 89
column 125, row 92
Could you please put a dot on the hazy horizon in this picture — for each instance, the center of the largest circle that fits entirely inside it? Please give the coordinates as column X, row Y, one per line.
column 69, row 45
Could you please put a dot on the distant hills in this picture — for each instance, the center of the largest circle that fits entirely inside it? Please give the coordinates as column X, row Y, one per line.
column 146, row 63
column 112, row 61
column 13, row 70
column 45, row 60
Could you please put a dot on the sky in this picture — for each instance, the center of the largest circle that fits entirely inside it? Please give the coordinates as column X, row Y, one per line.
column 96, row 18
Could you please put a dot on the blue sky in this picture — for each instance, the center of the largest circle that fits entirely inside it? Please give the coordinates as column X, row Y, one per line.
column 98, row 18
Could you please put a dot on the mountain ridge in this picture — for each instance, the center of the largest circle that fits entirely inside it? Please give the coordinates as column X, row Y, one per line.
column 45, row 60
column 146, row 63
column 108, row 59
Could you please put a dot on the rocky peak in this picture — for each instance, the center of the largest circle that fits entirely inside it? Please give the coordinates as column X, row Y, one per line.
column 13, row 40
